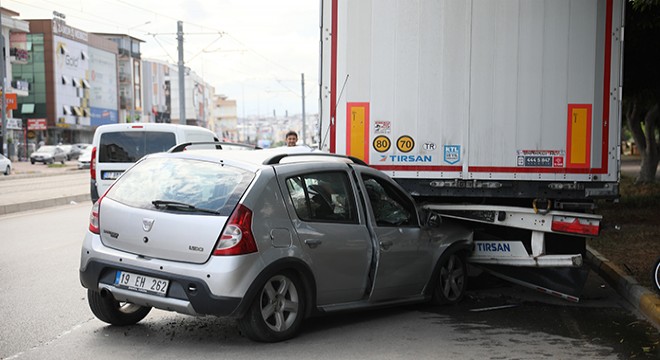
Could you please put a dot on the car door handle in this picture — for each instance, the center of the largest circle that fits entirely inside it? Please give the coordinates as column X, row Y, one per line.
column 313, row 243
column 386, row 245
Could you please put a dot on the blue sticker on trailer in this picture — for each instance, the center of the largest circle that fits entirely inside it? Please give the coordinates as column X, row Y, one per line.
column 452, row 154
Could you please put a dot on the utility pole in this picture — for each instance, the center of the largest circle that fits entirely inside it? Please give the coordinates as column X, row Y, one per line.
column 182, row 81
column 4, row 91
column 302, row 76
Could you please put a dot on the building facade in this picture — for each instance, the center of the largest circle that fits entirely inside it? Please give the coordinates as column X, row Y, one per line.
column 14, row 34
column 129, row 65
column 73, row 80
column 225, row 119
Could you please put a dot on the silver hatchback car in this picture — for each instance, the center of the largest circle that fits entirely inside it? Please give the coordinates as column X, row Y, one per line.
column 269, row 237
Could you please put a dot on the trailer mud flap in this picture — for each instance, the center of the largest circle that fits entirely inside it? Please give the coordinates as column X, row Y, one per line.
column 565, row 283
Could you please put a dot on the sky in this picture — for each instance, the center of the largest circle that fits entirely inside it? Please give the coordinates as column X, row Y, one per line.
column 253, row 51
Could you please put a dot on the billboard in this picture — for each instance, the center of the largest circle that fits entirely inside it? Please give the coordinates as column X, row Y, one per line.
column 103, row 92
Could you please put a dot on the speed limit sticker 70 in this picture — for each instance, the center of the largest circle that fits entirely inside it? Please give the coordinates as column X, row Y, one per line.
column 382, row 143
column 405, row 143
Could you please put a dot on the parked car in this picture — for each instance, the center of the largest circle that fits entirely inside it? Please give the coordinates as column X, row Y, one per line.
column 265, row 236
column 85, row 158
column 48, row 154
column 82, row 146
column 72, row 152
column 5, row 165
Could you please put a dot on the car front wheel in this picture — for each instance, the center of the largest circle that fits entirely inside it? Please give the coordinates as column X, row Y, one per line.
column 7, row 170
column 452, row 280
column 277, row 311
column 109, row 310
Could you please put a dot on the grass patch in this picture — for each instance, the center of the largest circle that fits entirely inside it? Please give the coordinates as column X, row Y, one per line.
column 54, row 166
column 631, row 235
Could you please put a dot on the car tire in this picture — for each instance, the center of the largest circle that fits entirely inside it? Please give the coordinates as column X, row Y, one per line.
column 451, row 282
column 277, row 311
column 63, row 160
column 109, row 310
column 8, row 170
column 32, row 162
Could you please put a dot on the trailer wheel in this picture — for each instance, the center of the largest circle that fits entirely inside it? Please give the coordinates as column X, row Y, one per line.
column 451, row 283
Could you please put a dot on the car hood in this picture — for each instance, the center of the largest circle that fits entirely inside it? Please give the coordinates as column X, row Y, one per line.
column 159, row 234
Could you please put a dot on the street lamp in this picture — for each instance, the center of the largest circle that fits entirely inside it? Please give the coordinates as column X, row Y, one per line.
column 137, row 26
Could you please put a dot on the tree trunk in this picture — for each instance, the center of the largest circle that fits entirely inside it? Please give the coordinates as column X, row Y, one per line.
column 651, row 151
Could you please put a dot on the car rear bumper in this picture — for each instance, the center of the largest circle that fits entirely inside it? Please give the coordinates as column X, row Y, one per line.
column 215, row 287
column 185, row 295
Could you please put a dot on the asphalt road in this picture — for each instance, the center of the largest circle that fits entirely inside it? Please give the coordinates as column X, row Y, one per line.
column 45, row 315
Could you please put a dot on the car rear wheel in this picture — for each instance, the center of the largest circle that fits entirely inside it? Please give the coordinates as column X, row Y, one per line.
column 7, row 170
column 277, row 311
column 109, row 310
column 452, row 280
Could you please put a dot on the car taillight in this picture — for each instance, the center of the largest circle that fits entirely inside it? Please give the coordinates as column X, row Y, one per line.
column 94, row 217
column 92, row 164
column 575, row 225
column 236, row 237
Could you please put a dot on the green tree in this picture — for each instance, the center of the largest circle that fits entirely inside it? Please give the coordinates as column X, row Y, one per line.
column 641, row 82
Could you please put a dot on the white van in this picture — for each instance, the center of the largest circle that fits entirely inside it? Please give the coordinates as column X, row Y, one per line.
column 116, row 147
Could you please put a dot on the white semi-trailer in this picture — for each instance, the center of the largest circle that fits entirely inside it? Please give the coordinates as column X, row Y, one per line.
column 504, row 113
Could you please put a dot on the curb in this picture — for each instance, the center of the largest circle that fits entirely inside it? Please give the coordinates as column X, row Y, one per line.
column 645, row 301
column 41, row 204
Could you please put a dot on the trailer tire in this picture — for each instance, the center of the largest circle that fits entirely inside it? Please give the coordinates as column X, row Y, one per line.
column 451, row 282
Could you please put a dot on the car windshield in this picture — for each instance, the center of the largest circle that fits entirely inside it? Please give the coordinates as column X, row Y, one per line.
column 182, row 185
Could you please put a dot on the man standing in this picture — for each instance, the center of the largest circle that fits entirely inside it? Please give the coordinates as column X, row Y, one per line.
column 291, row 138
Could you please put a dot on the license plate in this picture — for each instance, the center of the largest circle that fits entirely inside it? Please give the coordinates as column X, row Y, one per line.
column 141, row 283
column 110, row 175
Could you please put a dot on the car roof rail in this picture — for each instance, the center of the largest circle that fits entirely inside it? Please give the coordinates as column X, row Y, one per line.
column 218, row 145
column 277, row 158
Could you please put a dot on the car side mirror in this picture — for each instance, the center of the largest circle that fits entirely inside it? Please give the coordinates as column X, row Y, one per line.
column 433, row 219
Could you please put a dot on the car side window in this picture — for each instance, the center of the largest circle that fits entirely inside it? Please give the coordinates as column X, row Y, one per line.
column 390, row 207
column 325, row 197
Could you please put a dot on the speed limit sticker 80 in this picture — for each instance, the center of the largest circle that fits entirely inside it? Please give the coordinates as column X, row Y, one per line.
column 382, row 143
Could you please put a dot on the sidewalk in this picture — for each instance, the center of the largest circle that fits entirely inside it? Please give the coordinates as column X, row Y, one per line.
column 23, row 169
column 38, row 186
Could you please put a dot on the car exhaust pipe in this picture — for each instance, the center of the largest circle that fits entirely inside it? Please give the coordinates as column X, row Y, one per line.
column 105, row 293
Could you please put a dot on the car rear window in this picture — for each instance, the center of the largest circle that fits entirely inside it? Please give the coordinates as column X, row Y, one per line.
column 206, row 186
column 130, row 146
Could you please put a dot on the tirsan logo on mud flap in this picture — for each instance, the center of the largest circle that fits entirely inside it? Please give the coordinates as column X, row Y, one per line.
column 407, row 158
column 493, row 247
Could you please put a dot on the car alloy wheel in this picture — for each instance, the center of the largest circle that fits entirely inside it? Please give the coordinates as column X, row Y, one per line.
column 277, row 311
column 452, row 280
